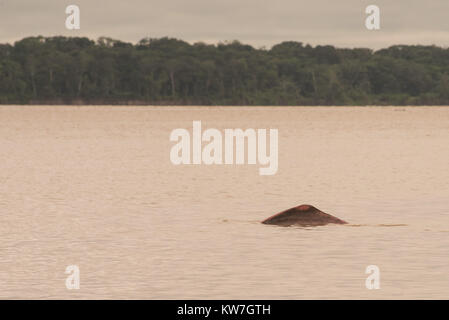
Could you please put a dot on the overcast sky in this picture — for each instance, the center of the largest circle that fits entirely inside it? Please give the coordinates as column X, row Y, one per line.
column 256, row 22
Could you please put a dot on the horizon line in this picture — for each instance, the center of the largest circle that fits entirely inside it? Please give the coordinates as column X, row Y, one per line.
column 221, row 42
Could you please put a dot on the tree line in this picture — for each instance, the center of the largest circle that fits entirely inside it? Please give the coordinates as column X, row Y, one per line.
column 165, row 71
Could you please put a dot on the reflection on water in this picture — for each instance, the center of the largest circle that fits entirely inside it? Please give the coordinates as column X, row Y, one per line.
column 94, row 187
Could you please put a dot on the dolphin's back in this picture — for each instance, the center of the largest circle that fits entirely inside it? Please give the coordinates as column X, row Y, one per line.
column 304, row 215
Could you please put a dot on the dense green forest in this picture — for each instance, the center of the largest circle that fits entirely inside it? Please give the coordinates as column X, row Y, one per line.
column 62, row 70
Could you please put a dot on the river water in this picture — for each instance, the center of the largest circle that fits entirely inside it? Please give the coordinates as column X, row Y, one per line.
column 94, row 187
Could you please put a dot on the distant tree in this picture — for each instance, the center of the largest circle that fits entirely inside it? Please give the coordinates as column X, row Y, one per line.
column 171, row 71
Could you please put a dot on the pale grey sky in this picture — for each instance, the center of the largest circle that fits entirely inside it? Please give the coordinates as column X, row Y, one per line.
column 256, row 22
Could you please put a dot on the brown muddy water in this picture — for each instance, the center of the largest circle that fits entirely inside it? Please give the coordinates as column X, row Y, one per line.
column 94, row 187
